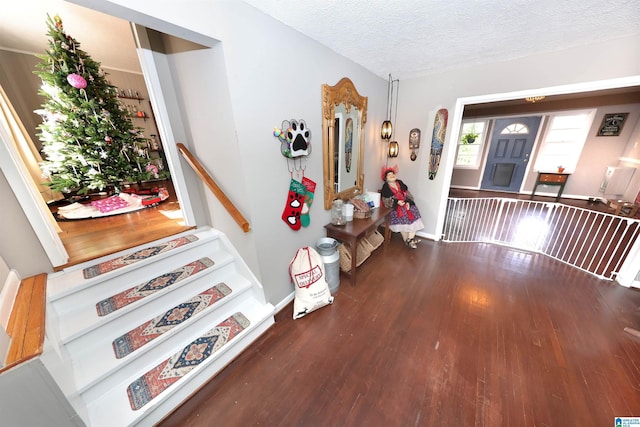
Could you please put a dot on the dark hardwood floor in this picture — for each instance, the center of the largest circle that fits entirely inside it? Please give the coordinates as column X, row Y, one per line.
column 449, row 334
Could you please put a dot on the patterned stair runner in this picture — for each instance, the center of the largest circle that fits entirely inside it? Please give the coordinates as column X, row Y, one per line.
column 124, row 298
column 158, row 379
column 123, row 261
column 148, row 331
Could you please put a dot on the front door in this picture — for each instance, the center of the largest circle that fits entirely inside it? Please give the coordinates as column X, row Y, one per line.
column 509, row 151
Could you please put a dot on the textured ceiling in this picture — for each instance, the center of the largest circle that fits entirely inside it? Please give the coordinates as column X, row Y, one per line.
column 407, row 38
column 411, row 38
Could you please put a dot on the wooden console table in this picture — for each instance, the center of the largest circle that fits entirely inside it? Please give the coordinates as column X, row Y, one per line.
column 355, row 230
column 551, row 178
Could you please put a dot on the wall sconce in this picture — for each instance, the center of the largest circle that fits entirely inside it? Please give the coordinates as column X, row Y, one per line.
column 386, row 131
column 393, row 149
column 414, row 142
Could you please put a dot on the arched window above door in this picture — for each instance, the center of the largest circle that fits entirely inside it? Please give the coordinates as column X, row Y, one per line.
column 515, row 128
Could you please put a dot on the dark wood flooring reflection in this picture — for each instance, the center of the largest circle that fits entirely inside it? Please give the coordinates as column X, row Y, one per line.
column 449, row 334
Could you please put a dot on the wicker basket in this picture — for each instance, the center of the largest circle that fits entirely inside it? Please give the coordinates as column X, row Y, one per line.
column 374, row 239
column 362, row 253
column 361, row 214
column 361, row 209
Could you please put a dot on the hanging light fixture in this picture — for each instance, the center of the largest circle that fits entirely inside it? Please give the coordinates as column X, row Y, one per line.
column 393, row 149
column 387, row 128
column 534, row 99
column 386, row 131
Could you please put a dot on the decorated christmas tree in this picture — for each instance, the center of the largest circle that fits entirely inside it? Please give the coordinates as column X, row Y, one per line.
column 88, row 139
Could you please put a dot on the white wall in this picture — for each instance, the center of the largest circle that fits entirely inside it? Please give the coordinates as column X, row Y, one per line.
column 31, row 397
column 420, row 99
column 19, row 245
column 631, row 158
column 271, row 73
column 602, row 151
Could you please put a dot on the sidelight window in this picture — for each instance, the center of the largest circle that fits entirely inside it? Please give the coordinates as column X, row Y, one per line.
column 472, row 138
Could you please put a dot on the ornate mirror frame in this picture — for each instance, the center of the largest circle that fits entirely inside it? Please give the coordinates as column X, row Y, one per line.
column 342, row 96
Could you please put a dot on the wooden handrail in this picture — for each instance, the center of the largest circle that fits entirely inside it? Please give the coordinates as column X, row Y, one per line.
column 215, row 189
column 27, row 321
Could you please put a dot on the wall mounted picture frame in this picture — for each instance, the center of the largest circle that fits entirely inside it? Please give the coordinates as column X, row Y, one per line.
column 612, row 124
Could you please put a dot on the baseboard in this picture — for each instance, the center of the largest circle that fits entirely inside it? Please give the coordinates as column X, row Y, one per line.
column 282, row 304
column 427, row 236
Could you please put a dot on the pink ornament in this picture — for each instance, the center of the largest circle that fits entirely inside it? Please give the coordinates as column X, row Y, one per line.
column 77, row 81
column 153, row 169
column 107, row 139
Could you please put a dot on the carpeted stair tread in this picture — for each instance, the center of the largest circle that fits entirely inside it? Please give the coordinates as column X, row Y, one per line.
column 78, row 319
column 142, row 254
column 162, row 376
column 152, row 329
column 108, row 398
column 70, row 281
column 131, row 295
column 94, row 356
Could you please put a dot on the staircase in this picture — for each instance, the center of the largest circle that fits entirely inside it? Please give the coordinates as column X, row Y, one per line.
column 131, row 336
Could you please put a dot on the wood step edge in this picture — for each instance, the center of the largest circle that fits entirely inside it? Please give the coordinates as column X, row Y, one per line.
column 26, row 325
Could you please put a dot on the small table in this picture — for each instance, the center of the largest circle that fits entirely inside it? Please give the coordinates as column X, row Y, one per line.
column 623, row 208
column 355, row 230
column 551, row 178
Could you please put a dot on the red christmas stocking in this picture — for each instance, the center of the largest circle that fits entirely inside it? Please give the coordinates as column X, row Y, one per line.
column 310, row 187
column 295, row 201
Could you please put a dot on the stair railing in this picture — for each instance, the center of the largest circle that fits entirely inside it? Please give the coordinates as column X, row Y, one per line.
column 215, row 189
column 592, row 241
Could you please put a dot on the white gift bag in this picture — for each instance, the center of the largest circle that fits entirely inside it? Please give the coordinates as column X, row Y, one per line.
column 308, row 276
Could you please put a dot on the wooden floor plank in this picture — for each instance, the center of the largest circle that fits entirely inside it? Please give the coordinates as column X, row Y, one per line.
column 26, row 322
column 88, row 239
column 447, row 334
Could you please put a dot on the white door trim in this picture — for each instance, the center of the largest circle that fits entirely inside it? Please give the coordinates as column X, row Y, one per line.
column 455, row 124
column 158, row 103
column 31, row 201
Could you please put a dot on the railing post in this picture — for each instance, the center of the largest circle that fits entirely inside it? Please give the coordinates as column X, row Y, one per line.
column 497, row 220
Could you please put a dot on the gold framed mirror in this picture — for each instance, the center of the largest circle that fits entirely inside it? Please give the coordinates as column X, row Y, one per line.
column 344, row 113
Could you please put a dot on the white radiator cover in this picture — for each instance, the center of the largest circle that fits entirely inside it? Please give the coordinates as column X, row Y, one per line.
column 615, row 182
